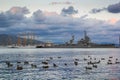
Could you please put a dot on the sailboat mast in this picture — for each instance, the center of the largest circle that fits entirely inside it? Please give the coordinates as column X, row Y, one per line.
column 119, row 41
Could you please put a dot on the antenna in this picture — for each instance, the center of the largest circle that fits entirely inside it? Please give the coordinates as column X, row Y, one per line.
column 119, row 41
column 24, row 39
column 9, row 41
column 85, row 33
column 19, row 40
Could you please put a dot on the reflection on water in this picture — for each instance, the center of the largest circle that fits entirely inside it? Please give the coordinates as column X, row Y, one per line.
column 59, row 64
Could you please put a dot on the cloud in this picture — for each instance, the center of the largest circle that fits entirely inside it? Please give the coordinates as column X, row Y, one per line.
column 55, row 27
column 114, row 8
column 46, row 13
column 84, row 16
column 3, row 21
column 38, row 16
column 18, row 10
column 69, row 11
column 113, row 21
column 56, row 3
column 13, row 16
column 97, row 10
column 17, row 13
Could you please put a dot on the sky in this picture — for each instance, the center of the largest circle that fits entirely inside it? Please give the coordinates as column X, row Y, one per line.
column 57, row 20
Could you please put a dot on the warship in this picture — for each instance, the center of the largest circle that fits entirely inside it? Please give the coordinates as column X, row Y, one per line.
column 27, row 40
column 85, row 42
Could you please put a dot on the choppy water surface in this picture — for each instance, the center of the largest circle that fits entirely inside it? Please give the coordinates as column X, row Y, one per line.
column 62, row 64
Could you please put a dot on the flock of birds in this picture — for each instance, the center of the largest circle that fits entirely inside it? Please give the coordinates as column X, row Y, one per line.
column 91, row 62
column 94, row 62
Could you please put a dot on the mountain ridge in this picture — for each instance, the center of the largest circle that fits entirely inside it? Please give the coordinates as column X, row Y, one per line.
column 6, row 39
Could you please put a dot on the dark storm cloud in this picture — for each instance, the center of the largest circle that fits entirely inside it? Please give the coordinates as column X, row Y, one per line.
column 114, row 8
column 13, row 16
column 69, row 11
column 3, row 21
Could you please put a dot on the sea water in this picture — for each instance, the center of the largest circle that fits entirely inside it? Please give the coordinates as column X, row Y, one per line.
column 60, row 57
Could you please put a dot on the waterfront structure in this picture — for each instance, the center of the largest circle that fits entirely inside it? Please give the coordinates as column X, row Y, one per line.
column 48, row 44
column 85, row 42
column 27, row 39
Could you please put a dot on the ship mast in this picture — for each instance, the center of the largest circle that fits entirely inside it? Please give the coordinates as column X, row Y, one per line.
column 19, row 40
column 72, row 40
column 24, row 40
column 85, row 34
column 9, row 41
column 119, row 41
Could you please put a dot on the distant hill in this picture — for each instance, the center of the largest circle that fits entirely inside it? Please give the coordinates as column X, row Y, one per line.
column 6, row 39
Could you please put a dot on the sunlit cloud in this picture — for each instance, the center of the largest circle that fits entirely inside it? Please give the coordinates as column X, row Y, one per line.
column 19, row 10
column 50, row 13
column 113, row 20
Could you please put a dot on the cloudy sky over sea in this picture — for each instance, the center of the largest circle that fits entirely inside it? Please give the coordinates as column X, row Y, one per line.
column 57, row 20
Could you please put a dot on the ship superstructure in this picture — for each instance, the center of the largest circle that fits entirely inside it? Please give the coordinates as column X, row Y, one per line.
column 84, row 42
